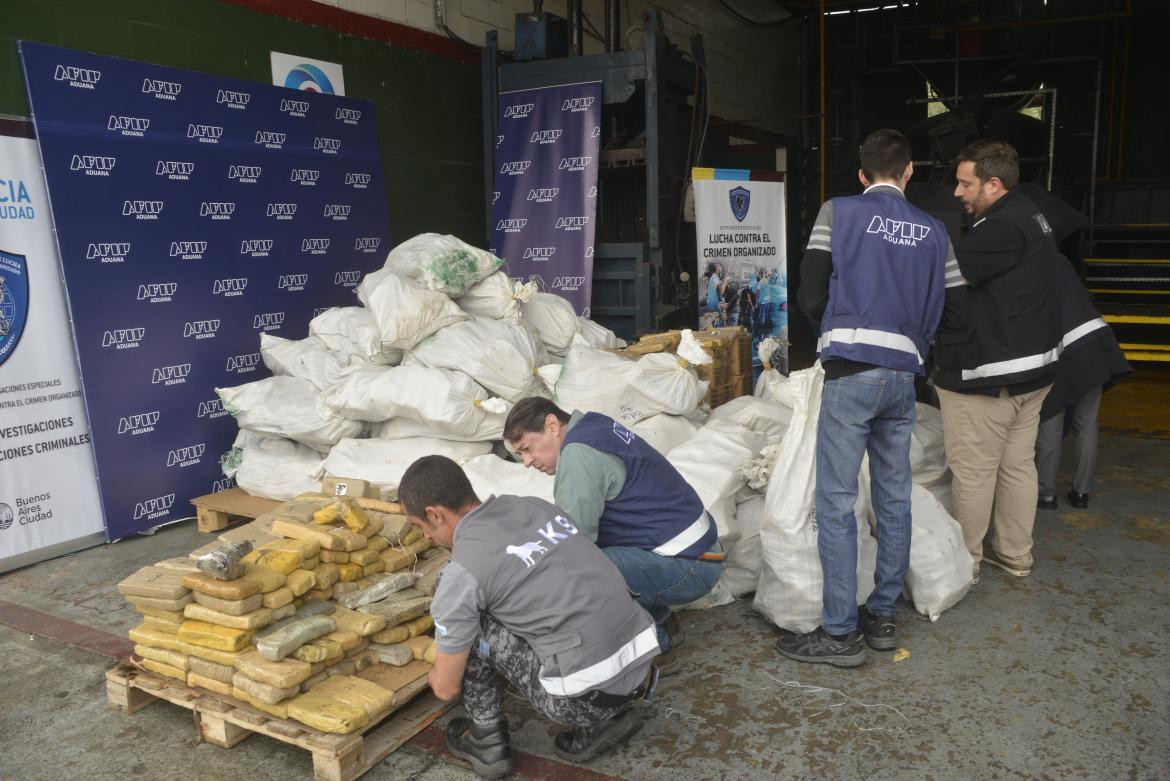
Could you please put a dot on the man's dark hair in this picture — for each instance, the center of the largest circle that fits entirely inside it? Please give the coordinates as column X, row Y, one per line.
column 993, row 158
column 885, row 154
column 431, row 481
column 529, row 415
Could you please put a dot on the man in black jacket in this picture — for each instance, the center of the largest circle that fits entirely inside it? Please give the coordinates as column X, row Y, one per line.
column 995, row 362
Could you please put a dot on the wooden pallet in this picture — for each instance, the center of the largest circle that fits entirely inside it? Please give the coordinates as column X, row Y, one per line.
column 225, row 721
column 215, row 512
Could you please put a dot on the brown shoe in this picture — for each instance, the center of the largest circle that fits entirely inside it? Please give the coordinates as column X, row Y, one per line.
column 992, row 557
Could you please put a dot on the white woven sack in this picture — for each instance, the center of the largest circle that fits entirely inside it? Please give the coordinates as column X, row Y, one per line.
column 442, row 262
column 554, row 318
column 928, row 457
column 593, row 380
column 764, row 416
column 597, row 335
column 382, row 462
column 497, row 297
column 286, row 407
column 710, row 462
column 405, row 311
column 309, row 358
column 491, row 475
column 741, row 549
column 352, row 331
column 664, row 432
column 491, row 429
column 499, row 355
column 666, row 383
column 940, row 565
column 277, row 468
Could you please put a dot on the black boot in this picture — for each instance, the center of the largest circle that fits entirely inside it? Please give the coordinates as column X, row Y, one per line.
column 582, row 744
column 487, row 748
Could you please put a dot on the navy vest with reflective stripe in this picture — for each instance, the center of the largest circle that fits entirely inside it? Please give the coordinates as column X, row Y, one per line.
column 886, row 292
column 655, row 504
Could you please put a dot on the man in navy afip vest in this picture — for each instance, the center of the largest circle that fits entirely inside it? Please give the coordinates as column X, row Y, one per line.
column 528, row 597
column 624, row 494
column 874, row 274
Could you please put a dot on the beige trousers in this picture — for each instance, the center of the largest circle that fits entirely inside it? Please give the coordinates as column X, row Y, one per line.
column 991, row 446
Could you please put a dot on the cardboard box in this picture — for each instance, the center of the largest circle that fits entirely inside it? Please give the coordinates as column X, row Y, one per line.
column 348, row 486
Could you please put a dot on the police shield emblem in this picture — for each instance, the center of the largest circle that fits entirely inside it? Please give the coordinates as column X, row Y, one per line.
column 741, row 199
column 13, row 302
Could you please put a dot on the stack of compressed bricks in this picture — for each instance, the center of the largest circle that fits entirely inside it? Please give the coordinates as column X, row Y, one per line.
column 729, row 375
column 268, row 637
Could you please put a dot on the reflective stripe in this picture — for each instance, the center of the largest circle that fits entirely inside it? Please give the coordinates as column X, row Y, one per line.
column 686, row 538
column 607, row 669
column 1082, row 330
column 869, row 336
column 1012, row 366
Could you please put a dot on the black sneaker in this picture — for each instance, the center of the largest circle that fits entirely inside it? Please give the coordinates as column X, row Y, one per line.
column 582, row 744
column 878, row 630
column 818, row 646
column 487, row 748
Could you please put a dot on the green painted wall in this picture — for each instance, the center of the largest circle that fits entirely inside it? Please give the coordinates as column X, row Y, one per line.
column 428, row 106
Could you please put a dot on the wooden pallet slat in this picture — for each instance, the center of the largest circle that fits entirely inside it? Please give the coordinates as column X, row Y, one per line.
column 215, row 512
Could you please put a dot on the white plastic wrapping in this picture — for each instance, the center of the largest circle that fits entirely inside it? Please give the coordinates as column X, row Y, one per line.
column 593, row 380
column 491, row 474
column 499, row 355
column 764, row 416
column 274, row 467
column 286, row 407
column 491, row 428
column 664, row 432
column 497, row 297
column 554, row 318
column 405, row 311
column 710, row 462
column 442, row 262
column 742, row 550
column 382, row 462
column 940, row 565
column 667, row 383
column 352, row 331
column 598, row 335
column 309, row 358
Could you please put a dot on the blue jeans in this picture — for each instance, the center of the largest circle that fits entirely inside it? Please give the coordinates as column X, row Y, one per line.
column 660, row 581
column 871, row 411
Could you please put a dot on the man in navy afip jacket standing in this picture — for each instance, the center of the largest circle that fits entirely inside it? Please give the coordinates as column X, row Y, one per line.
column 874, row 274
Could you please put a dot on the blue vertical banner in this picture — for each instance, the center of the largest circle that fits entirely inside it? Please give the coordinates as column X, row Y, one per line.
column 193, row 213
column 544, row 205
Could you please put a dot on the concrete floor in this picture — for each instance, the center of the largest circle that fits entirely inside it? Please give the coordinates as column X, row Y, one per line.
column 1062, row 675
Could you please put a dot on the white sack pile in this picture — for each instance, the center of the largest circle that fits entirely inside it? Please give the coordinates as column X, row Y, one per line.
column 382, row 462
column 272, row 467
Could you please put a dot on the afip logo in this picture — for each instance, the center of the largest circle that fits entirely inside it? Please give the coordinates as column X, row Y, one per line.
column 282, row 211
column 575, row 163
column 200, row 329
column 233, row 99
column 367, row 244
column 347, row 278
column 128, row 126
column 337, row 211
column 154, row 508
column 546, row 136
column 245, row 174
column 81, row 78
column 320, row 310
column 516, row 167
column 309, row 78
column 124, row 338
column 357, row 181
column 329, row 146
column 350, row 116
column 271, row 139
column 142, row 423
column 188, row 250
column 518, row 110
column 13, row 302
column 578, row 104
column 306, row 177
column 229, row 288
column 539, row 254
column 315, row 246
column 512, row 224
column 568, row 283
column 898, row 231
column 223, row 484
column 294, row 108
column 174, row 169
column 142, row 210
column 741, row 200
column 162, row 90
column 268, row 321
column 256, row 248
column 186, row 456
column 205, row 134
column 217, row 210
column 93, row 165
column 158, row 292
column 176, row 374
column 211, row 409
column 543, row 194
column 572, row 223
column 242, row 364
column 292, row 282
column 108, row 251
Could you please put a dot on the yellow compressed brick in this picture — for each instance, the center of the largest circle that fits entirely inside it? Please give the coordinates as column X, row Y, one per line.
column 253, row 620
column 418, row 546
column 161, row 624
column 279, row 710
column 213, row 670
column 154, row 638
column 323, row 594
column 282, row 561
column 368, row 696
column 412, row 536
column 225, row 658
column 211, row 684
column 417, row 626
column 363, row 556
column 347, row 573
column 166, row 615
column 373, row 525
column 342, row 588
column 329, row 513
column 326, row 574
column 235, row 607
column 373, row 568
column 305, row 549
column 164, row 669
column 329, row 538
column 355, row 517
column 154, row 582
column 353, row 621
column 397, row 559
column 240, row 588
column 221, row 638
column 346, row 639
column 175, row 659
column 270, row 580
column 377, row 543
column 419, row 646
column 285, row 673
column 279, row 598
column 327, row 714
column 318, row 650
column 395, row 634
column 299, row 581
column 334, row 557
column 310, row 563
